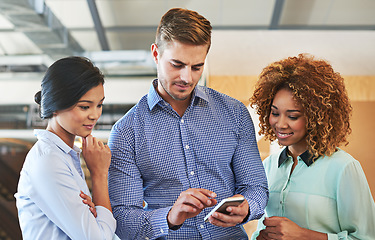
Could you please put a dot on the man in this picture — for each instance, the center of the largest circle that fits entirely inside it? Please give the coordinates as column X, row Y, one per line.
column 184, row 147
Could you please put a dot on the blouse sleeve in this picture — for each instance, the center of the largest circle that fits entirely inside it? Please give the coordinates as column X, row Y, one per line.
column 56, row 193
column 356, row 207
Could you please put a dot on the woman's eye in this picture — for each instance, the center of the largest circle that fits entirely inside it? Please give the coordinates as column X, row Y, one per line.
column 274, row 114
column 293, row 118
column 84, row 107
column 100, row 105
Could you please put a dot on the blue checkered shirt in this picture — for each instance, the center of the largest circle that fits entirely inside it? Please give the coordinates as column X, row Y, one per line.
column 156, row 154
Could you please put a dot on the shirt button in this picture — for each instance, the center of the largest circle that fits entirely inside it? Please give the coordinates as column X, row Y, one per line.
column 147, row 238
column 182, row 120
column 202, row 226
column 192, row 173
column 187, row 146
column 161, row 230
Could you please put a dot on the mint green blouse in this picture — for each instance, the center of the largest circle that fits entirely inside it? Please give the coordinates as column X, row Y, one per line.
column 330, row 195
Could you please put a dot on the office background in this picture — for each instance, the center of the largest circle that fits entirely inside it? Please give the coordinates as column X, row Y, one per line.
column 117, row 34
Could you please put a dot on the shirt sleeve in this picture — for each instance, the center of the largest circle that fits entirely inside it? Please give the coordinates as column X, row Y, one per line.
column 126, row 192
column 259, row 228
column 56, row 193
column 250, row 175
column 356, row 207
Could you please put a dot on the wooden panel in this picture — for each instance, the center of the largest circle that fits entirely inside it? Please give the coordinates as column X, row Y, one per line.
column 361, row 141
column 239, row 87
column 360, row 88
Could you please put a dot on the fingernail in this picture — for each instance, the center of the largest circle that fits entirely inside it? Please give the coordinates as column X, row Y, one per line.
column 208, row 202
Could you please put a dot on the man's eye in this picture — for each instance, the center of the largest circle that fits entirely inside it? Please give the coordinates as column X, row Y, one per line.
column 177, row 66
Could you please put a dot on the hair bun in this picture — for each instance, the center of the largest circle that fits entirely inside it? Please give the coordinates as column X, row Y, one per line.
column 38, row 97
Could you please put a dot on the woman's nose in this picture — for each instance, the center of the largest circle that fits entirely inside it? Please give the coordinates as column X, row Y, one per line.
column 282, row 123
column 95, row 114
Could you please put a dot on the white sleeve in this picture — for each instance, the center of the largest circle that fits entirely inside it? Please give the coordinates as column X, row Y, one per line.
column 56, row 193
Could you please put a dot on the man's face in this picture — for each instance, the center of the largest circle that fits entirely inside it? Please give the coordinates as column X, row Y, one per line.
column 179, row 67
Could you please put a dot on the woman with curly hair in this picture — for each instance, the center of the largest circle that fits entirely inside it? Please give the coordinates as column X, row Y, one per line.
column 317, row 191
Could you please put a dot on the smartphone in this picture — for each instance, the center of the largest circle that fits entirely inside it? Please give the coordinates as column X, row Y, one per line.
column 222, row 206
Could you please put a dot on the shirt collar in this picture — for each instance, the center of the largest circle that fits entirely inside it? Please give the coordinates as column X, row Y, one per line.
column 45, row 134
column 153, row 97
column 307, row 157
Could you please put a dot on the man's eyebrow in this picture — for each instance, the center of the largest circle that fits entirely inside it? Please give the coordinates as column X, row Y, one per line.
column 182, row 63
column 198, row 65
column 178, row 62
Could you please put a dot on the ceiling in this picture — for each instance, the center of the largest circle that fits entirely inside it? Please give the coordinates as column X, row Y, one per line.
column 52, row 29
column 116, row 35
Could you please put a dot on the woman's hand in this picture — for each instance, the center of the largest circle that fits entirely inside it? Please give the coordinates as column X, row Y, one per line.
column 283, row 228
column 97, row 156
column 87, row 200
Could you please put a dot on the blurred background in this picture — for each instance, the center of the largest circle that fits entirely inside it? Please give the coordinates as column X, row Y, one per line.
column 116, row 35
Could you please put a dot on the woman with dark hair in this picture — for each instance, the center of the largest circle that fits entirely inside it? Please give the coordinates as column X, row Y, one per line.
column 53, row 199
column 317, row 190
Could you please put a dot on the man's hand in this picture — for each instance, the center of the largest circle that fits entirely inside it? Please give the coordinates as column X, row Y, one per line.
column 236, row 215
column 189, row 204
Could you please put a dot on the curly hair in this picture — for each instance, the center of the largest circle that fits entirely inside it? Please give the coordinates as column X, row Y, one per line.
column 321, row 92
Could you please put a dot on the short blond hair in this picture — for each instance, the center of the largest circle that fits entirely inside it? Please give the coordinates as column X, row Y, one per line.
column 185, row 26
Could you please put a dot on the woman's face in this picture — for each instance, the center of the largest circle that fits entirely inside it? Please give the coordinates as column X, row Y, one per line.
column 288, row 122
column 80, row 119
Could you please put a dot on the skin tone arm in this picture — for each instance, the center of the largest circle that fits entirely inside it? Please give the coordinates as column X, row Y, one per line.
column 189, row 204
column 282, row 228
column 236, row 216
column 98, row 158
column 87, row 200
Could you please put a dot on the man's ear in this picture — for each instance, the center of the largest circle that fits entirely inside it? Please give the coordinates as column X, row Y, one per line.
column 155, row 52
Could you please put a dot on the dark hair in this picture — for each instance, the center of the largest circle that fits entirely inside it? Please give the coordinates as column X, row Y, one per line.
column 65, row 82
column 185, row 26
column 321, row 92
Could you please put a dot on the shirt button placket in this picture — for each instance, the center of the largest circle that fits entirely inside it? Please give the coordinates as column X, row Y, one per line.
column 190, row 164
